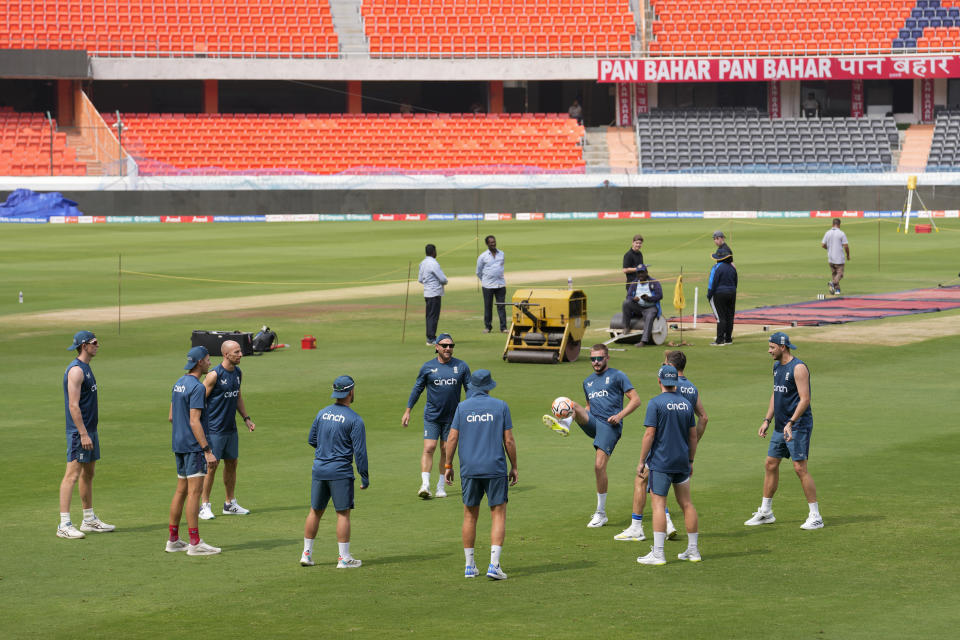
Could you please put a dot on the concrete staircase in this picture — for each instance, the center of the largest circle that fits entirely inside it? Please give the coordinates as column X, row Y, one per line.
column 596, row 154
column 85, row 152
column 916, row 148
column 349, row 26
column 610, row 150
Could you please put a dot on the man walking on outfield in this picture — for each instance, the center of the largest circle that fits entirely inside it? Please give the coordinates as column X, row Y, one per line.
column 493, row 283
column 669, row 447
column 192, row 452
column 339, row 437
column 793, row 424
column 442, row 377
column 601, row 419
column 432, row 278
column 224, row 399
column 838, row 252
column 83, row 441
column 678, row 360
column 484, row 431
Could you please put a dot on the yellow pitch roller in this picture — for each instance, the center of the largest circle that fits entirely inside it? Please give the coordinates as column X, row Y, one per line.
column 547, row 326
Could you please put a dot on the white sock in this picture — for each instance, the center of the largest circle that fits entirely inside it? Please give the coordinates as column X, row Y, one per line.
column 814, row 508
column 692, row 540
column 344, row 550
column 601, row 503
column 440, row 482
column 658, row 539
column 308, row 545
column 766, row 506
column 567, row 421
column 495, row 554
column 425, row 478
column 88, row 515
column 468, row 555
column 207, row 505
column 65, row 519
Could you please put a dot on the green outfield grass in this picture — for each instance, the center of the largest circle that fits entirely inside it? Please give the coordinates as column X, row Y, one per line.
column 883, row 567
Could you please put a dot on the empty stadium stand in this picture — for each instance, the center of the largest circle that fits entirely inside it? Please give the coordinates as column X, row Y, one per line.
column 785, row 26
column 300, row 28
column 745, row 140
column 28, row 149
column 211, row 144
column 458, row 28
column 945, row 150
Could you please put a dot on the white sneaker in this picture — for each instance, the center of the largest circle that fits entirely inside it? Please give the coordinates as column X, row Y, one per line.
column 555, row 424
column 813, row 522
column 306, row 559
column 70, row 532
column 598, row 520
column 495, row 572
column 424, row 492
column 206, row 511
column 96, row 525
column 176, row 545
column 348, row 563
column 759, row 517
column 202, row 549
column 671, row 530
column 440, row 493
column 692, row 554
column 632, row 533
column 233, row 509
column 471, row 572
column 653, row 558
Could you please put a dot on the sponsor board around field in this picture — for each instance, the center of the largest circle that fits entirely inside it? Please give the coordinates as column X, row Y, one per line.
column 399, row 217
column 881, row 214
column 494, row 217
column 836, row 214
column 623, row 215
column 530, row 216
column 777, row 68
column 441, row 216
column 5, row 220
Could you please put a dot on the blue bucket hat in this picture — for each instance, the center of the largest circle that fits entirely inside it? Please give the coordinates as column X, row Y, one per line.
column 668, row 375
column 782, row 339
column 482, row 380
column 81, row 337
column 342, row 387
column 194, row 356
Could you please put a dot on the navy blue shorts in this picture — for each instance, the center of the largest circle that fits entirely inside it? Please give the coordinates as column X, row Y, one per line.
column 225, row 445
column 341, row 490
column 660, row 482
column 78, row 453
column 605, row 435
column 474, row 488
column 797, row 449
column 436, row 430
column 191, row 465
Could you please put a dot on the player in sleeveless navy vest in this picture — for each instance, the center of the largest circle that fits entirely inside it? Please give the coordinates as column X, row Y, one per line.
column 666, row 457
column 83, row 441
column 443, row 378
column 224, row 400
column 789, row 409
column 191, row 452
column 483, row 429
column 339, row 438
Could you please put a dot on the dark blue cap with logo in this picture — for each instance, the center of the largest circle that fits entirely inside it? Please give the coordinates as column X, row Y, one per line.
column 81, row 337
column 668, row 375
column 342, row 387
column 194, row 356
column 782, row 339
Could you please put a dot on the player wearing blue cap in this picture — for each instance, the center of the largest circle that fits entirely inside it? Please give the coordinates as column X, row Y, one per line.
column 793, row 424
column 483, row 429
column 83, row 441
column 192, row 453
column 443, row 378
column 666, row 458
column 338, row 437
column 224, row 400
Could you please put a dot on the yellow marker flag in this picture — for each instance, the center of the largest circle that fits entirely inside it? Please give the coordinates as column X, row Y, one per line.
column 678, row 301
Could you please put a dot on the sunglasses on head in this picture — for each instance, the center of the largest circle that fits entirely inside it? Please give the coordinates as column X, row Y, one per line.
column 449, row 345
column 93, row 342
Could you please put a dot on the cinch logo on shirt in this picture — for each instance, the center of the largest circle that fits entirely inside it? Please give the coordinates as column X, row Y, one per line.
column 480, row 417
column 687, row 389
column 780, row 388
column 231, row 394
column 335, row 417
column 442, row 381
column 93, row 388
column 179, row 388
column 677, row 406
column 603, row 393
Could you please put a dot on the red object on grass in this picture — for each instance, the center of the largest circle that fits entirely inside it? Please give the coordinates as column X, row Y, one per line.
column 308, row 342
column 922, row 228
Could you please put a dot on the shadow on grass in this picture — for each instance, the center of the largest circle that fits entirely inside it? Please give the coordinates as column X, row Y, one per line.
column 262, row 545
column 552, row 567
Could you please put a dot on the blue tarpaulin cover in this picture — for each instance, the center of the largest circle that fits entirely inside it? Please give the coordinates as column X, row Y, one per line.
column 24, row 203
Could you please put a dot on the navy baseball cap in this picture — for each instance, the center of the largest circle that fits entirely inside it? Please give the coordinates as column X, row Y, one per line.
column 641, row 267
column 718, row 234
column 668, row 375
column 342, row 387
column 194, row 356
column 444, row 336
column 81, row 337
column 782, row 339
column 482, row 380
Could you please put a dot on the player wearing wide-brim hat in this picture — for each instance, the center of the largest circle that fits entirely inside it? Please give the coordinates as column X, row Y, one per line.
column 789, row 409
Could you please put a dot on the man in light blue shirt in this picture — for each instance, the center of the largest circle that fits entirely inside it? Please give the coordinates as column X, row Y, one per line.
column 484, row 430
column 493, row 284
column 432, row 278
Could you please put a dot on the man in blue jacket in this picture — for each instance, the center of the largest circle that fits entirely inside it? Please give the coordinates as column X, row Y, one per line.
column 642, row 298
column 722, row 295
